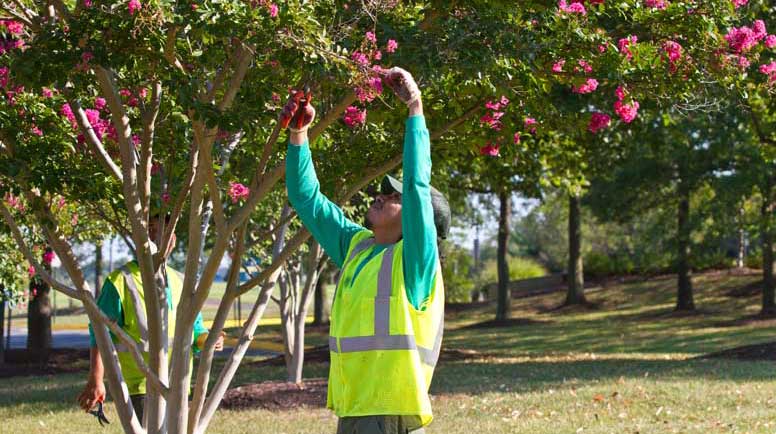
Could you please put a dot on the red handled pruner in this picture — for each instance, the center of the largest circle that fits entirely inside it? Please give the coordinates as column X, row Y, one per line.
column 302, row 98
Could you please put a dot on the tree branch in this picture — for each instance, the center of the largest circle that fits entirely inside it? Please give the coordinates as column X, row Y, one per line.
column 94, row 141
column 331, row 116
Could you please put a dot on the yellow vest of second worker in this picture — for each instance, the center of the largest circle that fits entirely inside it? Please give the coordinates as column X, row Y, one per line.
column 383, row 350
column 129, row 286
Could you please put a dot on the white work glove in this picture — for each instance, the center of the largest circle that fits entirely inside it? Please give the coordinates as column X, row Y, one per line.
column 402, row 84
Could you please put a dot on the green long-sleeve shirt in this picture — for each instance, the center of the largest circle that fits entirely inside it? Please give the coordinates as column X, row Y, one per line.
column 334, row 231
column 110, row 304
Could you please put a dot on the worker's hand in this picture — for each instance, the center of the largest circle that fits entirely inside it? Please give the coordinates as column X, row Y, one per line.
column 298, row 113
column 402, row 84
column 220, row 342
column 93, row 392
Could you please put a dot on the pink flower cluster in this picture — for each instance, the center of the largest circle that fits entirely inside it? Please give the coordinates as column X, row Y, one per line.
column 12, row 27
column 598, row 121
column 354, row 117
column 656, row 4
column 557, row 67
column 673, row 52
column 770, row 41
column 133, row 6
column 371, row 89
column 49, row 256
column 743, row 39
column 4, row 73
column 575, row 7
column 625, row 44
column 238, row 191
column 493, row 118
column 491, row 149
column 14, row 202
column 102, row 128
column 626, row 111
column 739, row 3
column 590, row 85
column 391, row 46
column 769, row 70
column 584, row 65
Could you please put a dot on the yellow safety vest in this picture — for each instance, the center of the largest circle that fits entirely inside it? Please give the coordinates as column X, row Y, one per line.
column 383, row 350
column 129, row 286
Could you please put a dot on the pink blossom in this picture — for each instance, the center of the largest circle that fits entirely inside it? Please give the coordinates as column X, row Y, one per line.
column 376, row 83
column 598, row 121
column 61, row 202
column 67, row 112
column 739, row 3
column 142, row 92
column 391, row 46
column 31, row 272
column 74, row 219
column 166, row 197
column 625, row 45
column 529, row 121
column 377, row 55
column 88, row 3
column 99, row 103
column 657, row 4
column 353, row 116
column 574, row 8
column 135, row 140
column 4, row 72
column 493, row 105
column 557, row 67
column 769, row 70
column 770, row 41
column 238, row 191
column 673, row 50
column 585, row 66
column 620, row 93
column 35, row 130
column 13, row 27
column 46, row 92
column 602, row 48
column 492, row 120
column 14, row 202
column 590, row 85
column 743, row 39
column 49, row 256
column 758, row 27
column 273, row 10
column 370, row 36
column 491, row 149
column 133, row 6
column 516, row 138
column 125, row 93
column 504, row 101
column 360, row 58
column 743, row 63
column 627, row 112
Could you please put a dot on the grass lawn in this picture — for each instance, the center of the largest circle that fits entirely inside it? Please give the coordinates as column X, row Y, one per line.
column 626, row 366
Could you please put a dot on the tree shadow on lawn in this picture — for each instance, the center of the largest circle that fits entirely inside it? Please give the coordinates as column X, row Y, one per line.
column 537, row 375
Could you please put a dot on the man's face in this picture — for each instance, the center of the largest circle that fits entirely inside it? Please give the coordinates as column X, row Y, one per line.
column 385, row 211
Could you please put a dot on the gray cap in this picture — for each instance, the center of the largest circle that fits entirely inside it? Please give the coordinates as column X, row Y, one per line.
column 438, row 204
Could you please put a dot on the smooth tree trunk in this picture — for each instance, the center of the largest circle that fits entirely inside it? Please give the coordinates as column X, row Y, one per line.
column 320, row 312
column 684, row 297
column 39, row 317
column 741, row 239
column 766, row 234
column 503, row 305
column 575, row 293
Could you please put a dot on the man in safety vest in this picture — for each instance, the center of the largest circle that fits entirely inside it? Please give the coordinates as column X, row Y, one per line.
column 388, row 310
column 122, row 300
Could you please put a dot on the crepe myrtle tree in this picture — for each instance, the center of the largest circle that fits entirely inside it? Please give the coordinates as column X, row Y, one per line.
column 133, row 109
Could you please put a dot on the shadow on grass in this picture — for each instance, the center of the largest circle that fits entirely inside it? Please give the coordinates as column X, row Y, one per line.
column 492, row 376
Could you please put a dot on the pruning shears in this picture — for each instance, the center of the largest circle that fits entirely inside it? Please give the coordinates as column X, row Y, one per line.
column 302, row 99
column 100, row 414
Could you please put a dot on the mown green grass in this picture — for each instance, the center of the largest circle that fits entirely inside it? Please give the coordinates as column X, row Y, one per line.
column 627, row 366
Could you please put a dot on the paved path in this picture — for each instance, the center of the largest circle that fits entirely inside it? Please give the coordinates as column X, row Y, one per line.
column 80, row 339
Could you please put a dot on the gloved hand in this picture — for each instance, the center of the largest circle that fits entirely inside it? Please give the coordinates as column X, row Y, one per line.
column 298, row 114
column 402, row 84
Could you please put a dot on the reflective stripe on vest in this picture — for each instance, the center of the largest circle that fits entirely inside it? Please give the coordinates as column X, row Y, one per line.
column 382, row 340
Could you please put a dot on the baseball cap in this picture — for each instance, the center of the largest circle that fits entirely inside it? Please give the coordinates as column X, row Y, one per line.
column 438, row 203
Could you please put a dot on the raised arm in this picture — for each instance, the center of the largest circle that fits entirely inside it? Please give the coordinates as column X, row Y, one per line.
column 324, row 219
column 417, row 215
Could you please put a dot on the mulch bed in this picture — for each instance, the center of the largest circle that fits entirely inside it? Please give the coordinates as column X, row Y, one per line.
column 758, row 352
column 277, row 395
column 511, row 322
column 20, row 362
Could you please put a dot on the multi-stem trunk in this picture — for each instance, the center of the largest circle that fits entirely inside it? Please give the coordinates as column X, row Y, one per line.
column 576, row 278
column 39, row 317
column 684, row 297
column 504, row 300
